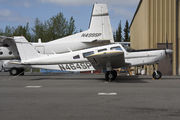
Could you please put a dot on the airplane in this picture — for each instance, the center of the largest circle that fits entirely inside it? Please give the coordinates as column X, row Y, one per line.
column 107, row 57
column 98, row 34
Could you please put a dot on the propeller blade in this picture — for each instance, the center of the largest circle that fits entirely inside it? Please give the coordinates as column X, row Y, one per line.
column 166, row 42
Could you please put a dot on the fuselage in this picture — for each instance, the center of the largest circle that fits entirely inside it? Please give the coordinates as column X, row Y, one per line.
column 76, row 61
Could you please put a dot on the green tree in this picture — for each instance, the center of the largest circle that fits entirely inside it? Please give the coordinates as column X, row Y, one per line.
column 22, row 31
column 1, row 32
column 8, row 31
column 118, row 36
column 57, row 26
column 71, row 29
column 126, row 32
column 54, row 28
column 39, row 30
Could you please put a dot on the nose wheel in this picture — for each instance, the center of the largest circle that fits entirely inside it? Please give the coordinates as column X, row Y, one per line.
column 156, row 74
column 111, row 75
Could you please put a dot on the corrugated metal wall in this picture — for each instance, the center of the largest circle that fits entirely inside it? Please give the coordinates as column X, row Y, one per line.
column 138, row 30
column 158, row 18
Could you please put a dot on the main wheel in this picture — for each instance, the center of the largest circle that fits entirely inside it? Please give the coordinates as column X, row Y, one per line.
column 14, row 71
column 115, row 73
column 158, row 76
column 111, row 75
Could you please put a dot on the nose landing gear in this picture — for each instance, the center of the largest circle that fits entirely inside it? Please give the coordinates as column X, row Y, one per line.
column 156, row 74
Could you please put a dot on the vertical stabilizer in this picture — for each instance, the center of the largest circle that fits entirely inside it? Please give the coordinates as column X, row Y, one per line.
column 100, row 22
column 25, row 49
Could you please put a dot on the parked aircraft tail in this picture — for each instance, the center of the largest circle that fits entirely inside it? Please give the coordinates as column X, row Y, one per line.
column 100, row 22
column 99, row 28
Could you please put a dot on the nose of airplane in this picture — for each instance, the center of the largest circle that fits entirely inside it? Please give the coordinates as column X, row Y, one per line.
column 168, row 51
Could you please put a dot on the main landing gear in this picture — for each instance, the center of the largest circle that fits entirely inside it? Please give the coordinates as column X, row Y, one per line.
column 156, row 74
column 111, row 75
column 16, row 71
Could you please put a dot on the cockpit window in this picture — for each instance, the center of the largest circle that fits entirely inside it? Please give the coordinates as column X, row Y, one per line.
column 116, row 48
column 87, row 54
column 102, row 50
column 128, row 49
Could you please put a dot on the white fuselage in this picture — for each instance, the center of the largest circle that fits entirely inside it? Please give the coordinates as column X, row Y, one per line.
column 77, row 61
column 144, row 57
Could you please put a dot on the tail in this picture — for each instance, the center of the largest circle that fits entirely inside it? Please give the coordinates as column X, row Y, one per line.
column 25, row 49
column 99, row 28
column 100, row 22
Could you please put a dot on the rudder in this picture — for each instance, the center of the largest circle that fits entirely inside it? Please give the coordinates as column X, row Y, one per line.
column 100, row 22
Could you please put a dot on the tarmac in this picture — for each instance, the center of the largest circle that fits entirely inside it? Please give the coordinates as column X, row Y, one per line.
column 88, row 97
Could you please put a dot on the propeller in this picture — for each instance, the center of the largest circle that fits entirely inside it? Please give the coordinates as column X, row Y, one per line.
column 168, row 51
column 166, row 42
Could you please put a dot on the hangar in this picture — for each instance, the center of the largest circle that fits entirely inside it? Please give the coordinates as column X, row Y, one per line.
column 152, row 22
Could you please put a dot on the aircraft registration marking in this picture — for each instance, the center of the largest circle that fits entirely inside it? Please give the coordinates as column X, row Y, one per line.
column 91, row 35
column 75, row 66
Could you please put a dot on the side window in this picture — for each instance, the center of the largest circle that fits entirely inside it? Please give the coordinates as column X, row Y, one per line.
column 102, row 50
column 76, row 57
column 116, row 48
column 1, row 53
column 10, row 53
column 87, row 54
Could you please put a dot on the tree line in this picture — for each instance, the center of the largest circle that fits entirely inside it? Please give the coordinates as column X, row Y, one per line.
column 118, row 37
column 56, row 27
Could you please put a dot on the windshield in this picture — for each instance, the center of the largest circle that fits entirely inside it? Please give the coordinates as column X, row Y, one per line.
column 128, row 49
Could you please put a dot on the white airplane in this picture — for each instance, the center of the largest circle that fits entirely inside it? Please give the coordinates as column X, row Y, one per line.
column 106, row 57
column 98, row 34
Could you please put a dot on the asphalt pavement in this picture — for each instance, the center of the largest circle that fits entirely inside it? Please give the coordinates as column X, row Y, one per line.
column 88, row 97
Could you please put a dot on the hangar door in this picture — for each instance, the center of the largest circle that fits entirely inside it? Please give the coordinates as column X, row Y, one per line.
column 165, row 66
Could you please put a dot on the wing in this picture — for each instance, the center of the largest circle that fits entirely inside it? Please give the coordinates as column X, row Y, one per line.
column 108, row 60
column 6, row 41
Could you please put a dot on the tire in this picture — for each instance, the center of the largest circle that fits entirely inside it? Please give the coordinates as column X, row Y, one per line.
column 157, row 76
column 115, row 73
column 111, row 75
column 14, row 71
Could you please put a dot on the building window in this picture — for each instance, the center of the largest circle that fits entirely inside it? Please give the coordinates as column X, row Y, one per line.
column 102, row 50
column 87, row 54
column 76, row 57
